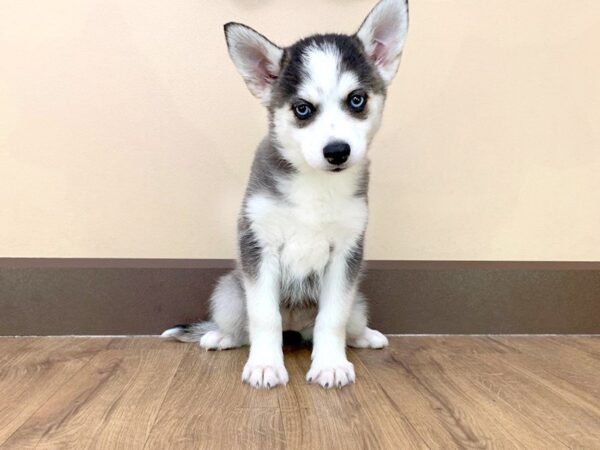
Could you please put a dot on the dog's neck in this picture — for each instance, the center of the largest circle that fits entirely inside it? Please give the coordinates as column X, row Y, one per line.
column 272, row 173
column 351, row 182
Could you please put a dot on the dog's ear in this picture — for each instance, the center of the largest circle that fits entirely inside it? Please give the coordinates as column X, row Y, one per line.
column 382, row 34
column 256, row 58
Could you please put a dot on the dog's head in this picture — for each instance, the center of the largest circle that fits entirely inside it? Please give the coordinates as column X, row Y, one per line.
column 325, row 94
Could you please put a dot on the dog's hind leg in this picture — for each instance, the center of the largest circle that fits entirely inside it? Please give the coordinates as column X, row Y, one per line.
column 227, row 329
column 358, row 335
column 228, row 311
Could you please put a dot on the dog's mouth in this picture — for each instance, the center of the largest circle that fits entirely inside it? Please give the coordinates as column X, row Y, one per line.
column 337, row 169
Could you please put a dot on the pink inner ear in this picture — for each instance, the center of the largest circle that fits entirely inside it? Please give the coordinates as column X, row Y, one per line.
column 379, row 54
column 263, row 75
column 268, row 76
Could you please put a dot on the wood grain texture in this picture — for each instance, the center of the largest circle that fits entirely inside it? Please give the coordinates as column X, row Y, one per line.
column 208, row 407
column 422, row 392
column 111, row 402
column 360, row 416
column 32, row 370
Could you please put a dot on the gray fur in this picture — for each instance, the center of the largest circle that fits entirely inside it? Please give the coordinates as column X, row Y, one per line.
column 232, row 319
column 362, row 186
column 353, row 60
column 295, row 292
column 250, row 249
column 298, row 297
column 354, row 261
column 190, row 332
column 268, row 167
column 358, row 317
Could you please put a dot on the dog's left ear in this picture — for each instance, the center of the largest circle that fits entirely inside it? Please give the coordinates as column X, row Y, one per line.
column 256, row 58
column 383, row 33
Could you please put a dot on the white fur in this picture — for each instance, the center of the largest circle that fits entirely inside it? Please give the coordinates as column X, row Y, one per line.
column 330, row 367
column 319, row 212
column 171, row 332
column 368, row 339
column 217, row 340
column 316, row 219
column 327, row 88
column 264, row 368
column 255, row 57
column 383, row 34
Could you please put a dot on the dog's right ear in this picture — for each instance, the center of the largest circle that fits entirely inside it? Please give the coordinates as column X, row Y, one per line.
column 256, row 58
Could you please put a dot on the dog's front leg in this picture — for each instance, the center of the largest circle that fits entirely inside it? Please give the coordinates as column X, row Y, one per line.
column 330, row 367
column 265, row 364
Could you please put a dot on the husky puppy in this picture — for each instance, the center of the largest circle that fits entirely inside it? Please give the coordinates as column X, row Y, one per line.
column 302, row 224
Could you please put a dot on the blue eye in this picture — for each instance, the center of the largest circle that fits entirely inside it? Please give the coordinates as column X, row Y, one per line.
column 357, row 101
column 303, row 110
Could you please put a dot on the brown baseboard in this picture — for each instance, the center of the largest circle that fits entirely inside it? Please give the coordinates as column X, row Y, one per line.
column 50, row 296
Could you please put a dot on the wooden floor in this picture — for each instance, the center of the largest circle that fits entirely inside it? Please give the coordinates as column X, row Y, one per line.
column 422, row 392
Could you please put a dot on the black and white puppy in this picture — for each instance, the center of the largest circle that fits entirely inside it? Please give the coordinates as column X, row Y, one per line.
column 304, row 215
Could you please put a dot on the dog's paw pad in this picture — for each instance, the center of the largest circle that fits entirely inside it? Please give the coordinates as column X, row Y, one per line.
column 369, row 339
column 331, row 375
column 264, row 375
column 216, row 340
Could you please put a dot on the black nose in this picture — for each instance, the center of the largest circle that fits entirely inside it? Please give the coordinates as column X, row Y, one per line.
column 336, row 153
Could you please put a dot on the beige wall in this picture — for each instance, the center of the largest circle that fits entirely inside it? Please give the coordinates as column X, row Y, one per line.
column 126, row 132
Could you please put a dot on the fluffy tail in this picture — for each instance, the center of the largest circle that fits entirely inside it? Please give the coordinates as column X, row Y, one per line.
column 191, row 332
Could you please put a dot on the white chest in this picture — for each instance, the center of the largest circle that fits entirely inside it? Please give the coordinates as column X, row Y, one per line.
column 314, row 217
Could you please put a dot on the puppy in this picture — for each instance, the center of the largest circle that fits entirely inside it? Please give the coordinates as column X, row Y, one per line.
column 303, row 218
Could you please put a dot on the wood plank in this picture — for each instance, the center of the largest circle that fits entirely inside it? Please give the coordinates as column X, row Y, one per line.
column 532, row 398
column 443, row 406
column 111, row 402
column 33, row 369
column 144, row 392
column 400, row 388
column 545, row 358
column 589, row 345
column 10, row 347
column 355, row 417
column 422, row 392
column 208, row 407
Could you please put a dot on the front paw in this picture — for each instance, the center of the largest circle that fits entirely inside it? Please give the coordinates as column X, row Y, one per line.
column 331, row 375
column 264, row 374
